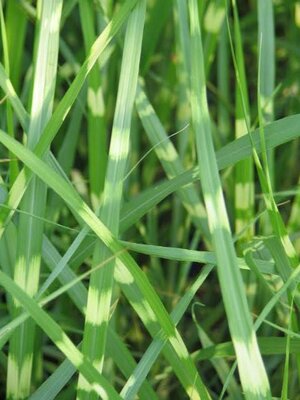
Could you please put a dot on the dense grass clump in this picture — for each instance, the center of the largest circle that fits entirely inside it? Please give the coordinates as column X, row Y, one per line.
column 149, row 199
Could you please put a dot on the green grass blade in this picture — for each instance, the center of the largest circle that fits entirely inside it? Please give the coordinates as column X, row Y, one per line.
column 244, row 189
column 101, row 283
column 266, row 40
column 271, row 345
column 27, row 268
column 255, row 384
column 62, row 375
column 195, row 256
column 212, row 24
column 16, row 38
column 97, row 154
column 78, row 293
column 178, row 359
column 13, row 165
column 223, row 83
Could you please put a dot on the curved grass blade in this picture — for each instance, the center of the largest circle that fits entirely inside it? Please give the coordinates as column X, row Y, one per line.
column 268, row 346
column 188, row 255
column 133, row 281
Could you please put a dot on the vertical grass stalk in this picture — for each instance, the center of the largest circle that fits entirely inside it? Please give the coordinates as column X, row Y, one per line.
column 101, row 282
column 251, row 369
column 97, row 153
column 266, row 44
column 30, row 230
column 13, row 164
column 244, row 188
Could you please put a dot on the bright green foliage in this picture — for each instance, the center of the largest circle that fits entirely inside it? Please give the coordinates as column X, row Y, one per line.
column 149, row 199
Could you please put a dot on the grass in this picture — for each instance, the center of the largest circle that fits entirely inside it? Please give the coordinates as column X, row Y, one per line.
column 149, row 216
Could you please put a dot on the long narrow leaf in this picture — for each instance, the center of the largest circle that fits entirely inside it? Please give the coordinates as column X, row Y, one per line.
column 252, row 372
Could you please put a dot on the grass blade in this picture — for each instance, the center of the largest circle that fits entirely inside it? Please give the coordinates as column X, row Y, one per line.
column 96, row 111
column 266, row 40
column 244, row 189
column 101, row 283
column 255, row 384
column 27, row 268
